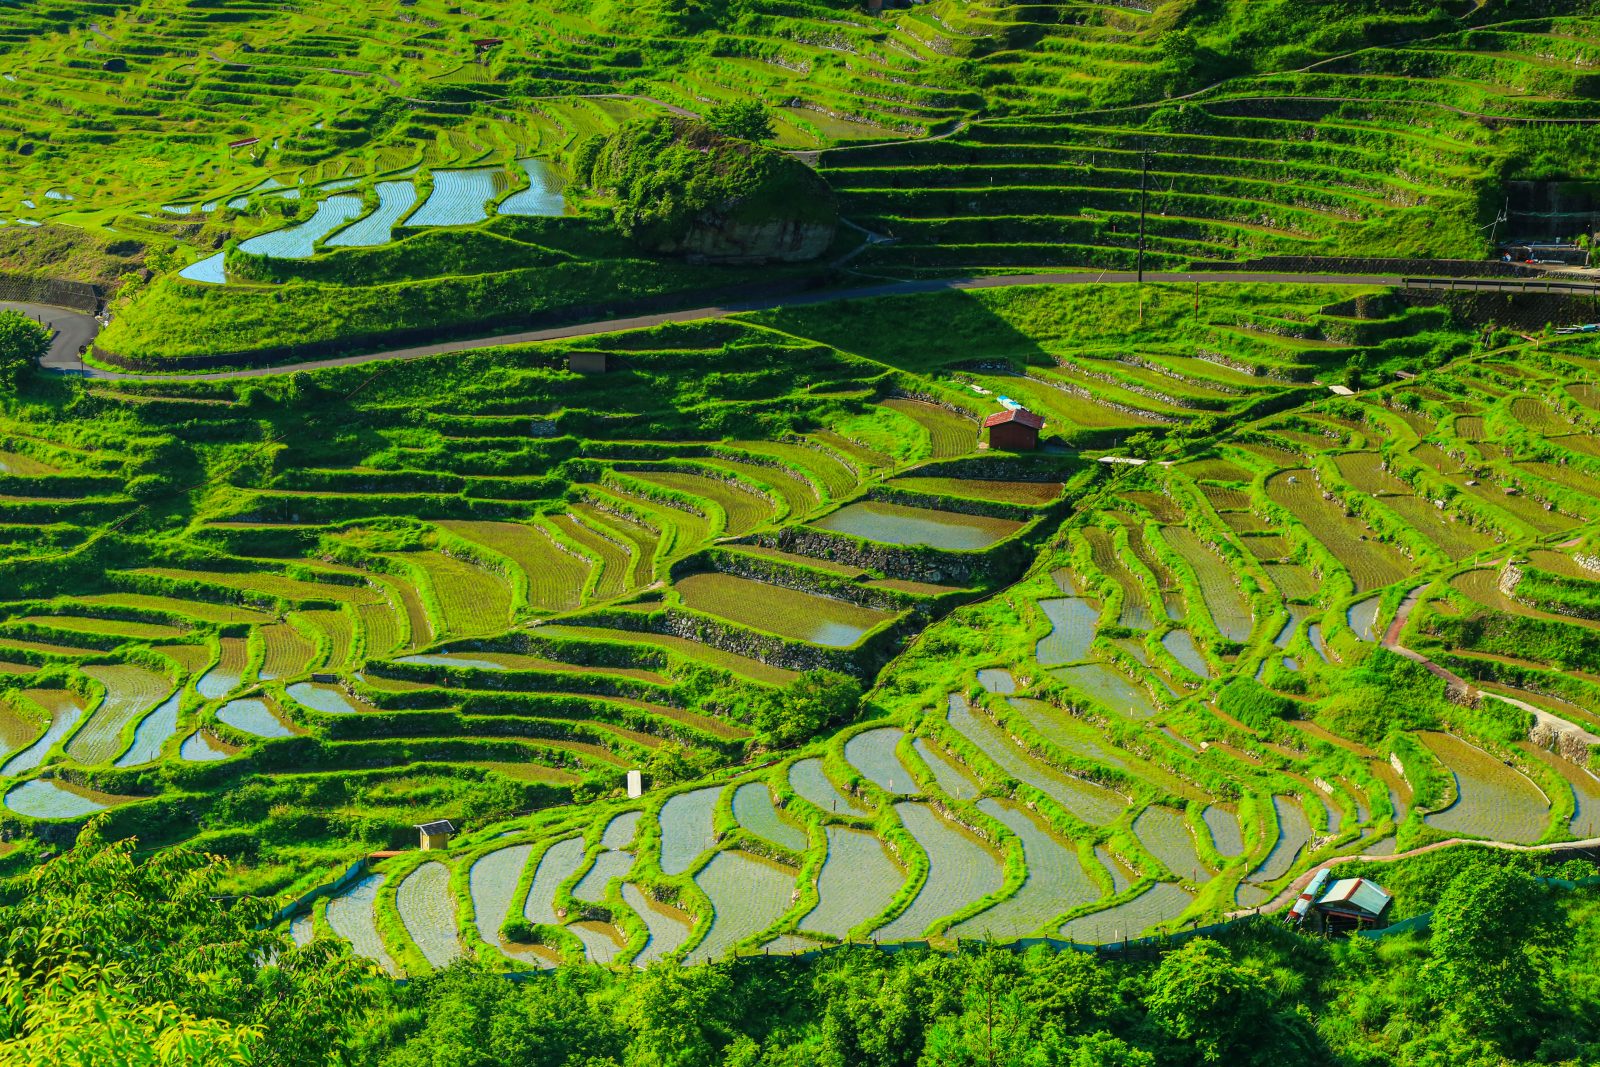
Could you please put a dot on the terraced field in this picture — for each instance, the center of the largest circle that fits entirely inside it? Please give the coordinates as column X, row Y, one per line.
column 881, row 679
column 1137, row 695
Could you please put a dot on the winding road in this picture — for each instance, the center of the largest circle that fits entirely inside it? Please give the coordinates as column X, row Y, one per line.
column 76, row 329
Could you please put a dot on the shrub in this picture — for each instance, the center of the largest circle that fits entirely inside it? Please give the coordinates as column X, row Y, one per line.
column 666, row 174
column 23, row 342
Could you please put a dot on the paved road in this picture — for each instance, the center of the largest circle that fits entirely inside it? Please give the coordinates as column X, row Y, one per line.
column 74, row 330
column 65, row 364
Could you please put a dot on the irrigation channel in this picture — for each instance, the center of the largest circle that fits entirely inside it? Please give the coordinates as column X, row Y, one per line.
column 64, row 354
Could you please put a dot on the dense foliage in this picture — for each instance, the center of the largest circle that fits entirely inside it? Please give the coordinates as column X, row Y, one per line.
column 668, row 175
column 23, row 342
column 111, row 959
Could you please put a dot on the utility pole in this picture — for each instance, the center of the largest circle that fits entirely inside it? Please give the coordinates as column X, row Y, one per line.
column 1504, row 216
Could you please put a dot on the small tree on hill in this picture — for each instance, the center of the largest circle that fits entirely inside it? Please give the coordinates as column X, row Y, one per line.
column 744, row 119
column 23, row 342
column 1495, row 935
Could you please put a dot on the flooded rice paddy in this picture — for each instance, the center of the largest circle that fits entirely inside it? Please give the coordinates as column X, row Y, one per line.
column 65, row 709
column 753, row 808
column 748, row 895
column 1088, row 802
column 872, row 753
column 621, row 830
column 350, row 916
column 459, row 198
column 896, row 524
column 1161, row 903
column 428, row 911
column 254, row 717
column 45, row 798
column 1165, row 834
column 224, row 677
column 329, row 699
column 300, row 242
column 492, row 883
column 809, row 779
column 601, row 941
column 201, row 747
column 1494, row 800
column 950, row 776
column 669, row 926
column 150, row 736
column 1294, row 834
column 858, row 880
column 687, row 828
column 1181, row 644
column 1056, row 879
column 776, row 609
column 559, row 862
column 395, row 198
column 541, row 197
column 609, row 865
column 1074, row 619
column 1110, row 687
column 997, row 680
column 1225, row 832
column 1363, row 619
column 961, row 870
column 209, row 270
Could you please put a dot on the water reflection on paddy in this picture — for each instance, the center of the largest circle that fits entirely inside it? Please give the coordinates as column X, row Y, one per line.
column 896, row 524
column 1493, row 801
column 960, row 870
column 1056, row 879
column 858, row 880
column 687, row 828
column 754, row 810
column 748, row 894
column 810, row 780
column 1160, row 903
column 1074, row 620
column 872, row 753
column 1088, row 802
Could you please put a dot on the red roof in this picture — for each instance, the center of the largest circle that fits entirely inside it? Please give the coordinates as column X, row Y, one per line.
column 1022, row 415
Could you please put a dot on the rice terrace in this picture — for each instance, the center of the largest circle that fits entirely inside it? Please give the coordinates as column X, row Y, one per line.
column 796, row 530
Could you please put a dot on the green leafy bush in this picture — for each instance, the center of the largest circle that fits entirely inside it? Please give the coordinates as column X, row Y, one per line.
column 666, row 174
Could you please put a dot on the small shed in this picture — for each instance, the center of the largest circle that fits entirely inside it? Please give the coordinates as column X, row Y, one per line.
column 588, row 362
column 635, row 785
column 1016, row 430
column 435, row 834
column 1352, row 903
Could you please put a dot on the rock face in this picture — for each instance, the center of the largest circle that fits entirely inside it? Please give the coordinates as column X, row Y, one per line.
column 723, row 237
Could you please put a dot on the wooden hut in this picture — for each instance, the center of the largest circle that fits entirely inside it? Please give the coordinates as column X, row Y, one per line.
column 436, row 834
column 1015, row 430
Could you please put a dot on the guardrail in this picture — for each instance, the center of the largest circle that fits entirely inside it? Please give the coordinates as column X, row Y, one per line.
column 1506, row 285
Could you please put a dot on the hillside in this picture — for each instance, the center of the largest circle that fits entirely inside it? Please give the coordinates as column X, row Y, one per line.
column 322, row 542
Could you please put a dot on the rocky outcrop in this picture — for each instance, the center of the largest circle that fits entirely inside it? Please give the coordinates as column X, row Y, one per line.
column 721, row 237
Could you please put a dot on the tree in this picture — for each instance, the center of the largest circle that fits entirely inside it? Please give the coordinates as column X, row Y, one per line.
column 744, row 119
column 1202, row 996
column 150, row 953
column 466, row 1016
column 814, row 700
column 1495, row 934
column 23, row 343
column 996, row 1027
